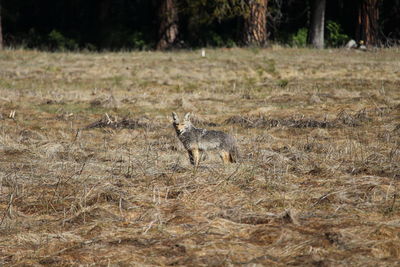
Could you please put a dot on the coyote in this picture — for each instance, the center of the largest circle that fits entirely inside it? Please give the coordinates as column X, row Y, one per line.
column 197, row 141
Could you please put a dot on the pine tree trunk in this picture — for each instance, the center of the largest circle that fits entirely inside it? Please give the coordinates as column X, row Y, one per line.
column 255, row 24
column 367, row 23
column 168, row 29
column 316, row 31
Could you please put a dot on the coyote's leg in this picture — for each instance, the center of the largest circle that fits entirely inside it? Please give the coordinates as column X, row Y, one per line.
column 203, row 156
column 194, row 156
column 191, row 157
column 232, row 159
column 225, row 156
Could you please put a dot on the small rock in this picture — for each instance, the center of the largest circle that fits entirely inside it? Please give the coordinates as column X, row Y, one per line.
column 351, row 44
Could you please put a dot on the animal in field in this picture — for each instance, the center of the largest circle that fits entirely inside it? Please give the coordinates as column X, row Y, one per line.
column 198, row 141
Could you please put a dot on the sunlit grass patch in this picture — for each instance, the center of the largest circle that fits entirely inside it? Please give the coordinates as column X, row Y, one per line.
column 76, row 108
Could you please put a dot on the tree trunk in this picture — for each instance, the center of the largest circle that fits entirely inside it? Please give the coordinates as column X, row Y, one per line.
column 168, row 29
column 1, row 32
column 255, row 24
column 367, row 23
column 316, row 31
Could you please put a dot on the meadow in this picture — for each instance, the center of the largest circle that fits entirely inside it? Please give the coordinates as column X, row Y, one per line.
column 92, row 173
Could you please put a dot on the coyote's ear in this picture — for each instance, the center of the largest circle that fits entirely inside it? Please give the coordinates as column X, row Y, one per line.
column 187, row 116
column 175, row 117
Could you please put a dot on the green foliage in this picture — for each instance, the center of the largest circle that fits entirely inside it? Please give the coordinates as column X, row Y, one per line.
column 89, row 47
column 230, row 43
column 211, row 23
column 58, row 41
column 334, row 35
column 216, row 39
column 206, row 12
column 136, row 41
column 300, row 38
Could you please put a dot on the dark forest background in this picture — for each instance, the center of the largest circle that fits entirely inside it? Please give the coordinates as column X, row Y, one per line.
column 163, row 24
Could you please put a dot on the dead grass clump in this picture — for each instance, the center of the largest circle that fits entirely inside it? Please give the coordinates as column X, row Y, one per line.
column 264, row 122
column 107, row 194
column 352, row 120
column 116, row 123
column 109, row 102
column 91, row 214
column 240, row 216
column 202, row 123
column 342, row 119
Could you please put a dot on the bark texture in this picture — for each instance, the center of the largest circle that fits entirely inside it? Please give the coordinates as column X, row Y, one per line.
column 168, row 29
column 367, row 23
column 255, row 24
column 315, row 36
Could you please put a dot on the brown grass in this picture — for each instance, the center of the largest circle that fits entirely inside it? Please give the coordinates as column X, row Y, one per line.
column 318, row 183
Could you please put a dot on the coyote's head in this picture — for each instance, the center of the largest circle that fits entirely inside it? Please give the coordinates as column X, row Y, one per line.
column 181, row 127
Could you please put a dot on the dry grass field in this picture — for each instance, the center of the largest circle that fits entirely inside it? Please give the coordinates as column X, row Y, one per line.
column 92, row 173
